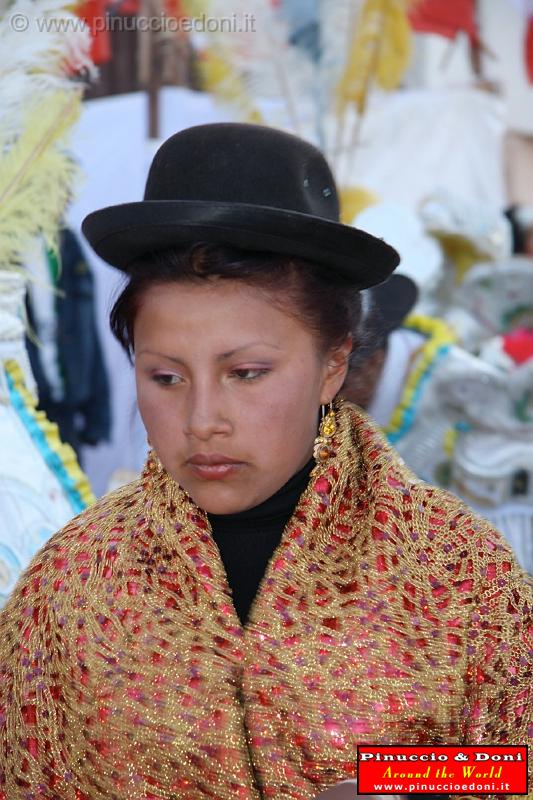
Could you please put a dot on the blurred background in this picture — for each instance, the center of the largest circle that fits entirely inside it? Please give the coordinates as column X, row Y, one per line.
column 424, row 109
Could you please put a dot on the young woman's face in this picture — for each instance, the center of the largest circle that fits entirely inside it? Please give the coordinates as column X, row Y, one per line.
column 229, row 388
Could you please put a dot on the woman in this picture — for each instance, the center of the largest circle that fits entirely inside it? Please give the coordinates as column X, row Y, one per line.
column 264, row 598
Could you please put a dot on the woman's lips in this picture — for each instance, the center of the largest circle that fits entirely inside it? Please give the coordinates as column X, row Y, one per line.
column 213, row 467
column 214, row 472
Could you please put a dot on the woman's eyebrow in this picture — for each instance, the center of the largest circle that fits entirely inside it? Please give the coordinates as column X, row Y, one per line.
column 230, row 353
column 220, row 357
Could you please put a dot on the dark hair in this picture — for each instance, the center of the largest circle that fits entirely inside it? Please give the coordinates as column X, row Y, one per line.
column 373, row 337
column 329, row 306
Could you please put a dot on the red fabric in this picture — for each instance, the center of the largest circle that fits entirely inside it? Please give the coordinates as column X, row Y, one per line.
column 93, row 12
column 173, row 8
column 519, row 345
column 529, row 49
column 129, row 8
column 445, row 17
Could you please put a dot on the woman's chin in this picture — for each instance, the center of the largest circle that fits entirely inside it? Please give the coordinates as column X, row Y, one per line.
column 216, row 498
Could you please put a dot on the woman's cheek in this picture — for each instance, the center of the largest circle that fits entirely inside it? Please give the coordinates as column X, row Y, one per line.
column 284, row 421
column 153, row 405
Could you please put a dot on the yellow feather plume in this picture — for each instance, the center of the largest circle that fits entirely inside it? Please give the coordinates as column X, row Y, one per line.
column 396, row 48
column 353, row 200
column 380, row 52
column 36, row 175
column 218, row 75
column 221, row 79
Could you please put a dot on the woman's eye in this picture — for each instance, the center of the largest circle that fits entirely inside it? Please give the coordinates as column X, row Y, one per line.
column 166, row 380
column 249, row 374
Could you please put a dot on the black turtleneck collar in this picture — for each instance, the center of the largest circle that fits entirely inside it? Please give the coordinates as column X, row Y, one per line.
column 246, row 540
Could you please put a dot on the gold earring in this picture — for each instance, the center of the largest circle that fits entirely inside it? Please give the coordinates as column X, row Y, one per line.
column 323, row 448
column 153, row 465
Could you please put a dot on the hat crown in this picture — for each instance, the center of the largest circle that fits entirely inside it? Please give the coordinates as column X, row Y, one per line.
column 243, row 163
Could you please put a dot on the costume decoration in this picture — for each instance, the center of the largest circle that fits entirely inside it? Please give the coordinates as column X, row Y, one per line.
column 388, row 613
column 496, row 298
column 446, row 19
column 468, row 232
column 439, row 339
column 464, row 421
column 421, row 256
column 40, row 103
column 329, row 58
column 40, row 484
column 380, row 51
column 93, row 12
column 59, row 457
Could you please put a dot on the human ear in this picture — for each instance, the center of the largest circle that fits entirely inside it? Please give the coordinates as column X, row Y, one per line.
column 335, row 370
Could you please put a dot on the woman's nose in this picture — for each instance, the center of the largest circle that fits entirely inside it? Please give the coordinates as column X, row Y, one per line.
column 205, row 416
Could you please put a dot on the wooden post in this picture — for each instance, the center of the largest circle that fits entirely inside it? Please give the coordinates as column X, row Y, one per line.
column 153, row 93
column 475, row 47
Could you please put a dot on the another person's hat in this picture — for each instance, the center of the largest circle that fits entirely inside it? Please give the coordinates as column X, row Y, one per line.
column 249, row 186
column 393, row 301
column 385, row 308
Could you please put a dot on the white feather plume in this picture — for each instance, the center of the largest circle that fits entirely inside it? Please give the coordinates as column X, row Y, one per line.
column 274, row 73
column 43, row 49
column 41, row 58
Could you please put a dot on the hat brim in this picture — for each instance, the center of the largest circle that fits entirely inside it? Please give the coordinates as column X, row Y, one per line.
column 122, row 233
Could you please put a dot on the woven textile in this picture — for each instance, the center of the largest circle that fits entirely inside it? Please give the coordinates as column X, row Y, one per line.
column 388, row 614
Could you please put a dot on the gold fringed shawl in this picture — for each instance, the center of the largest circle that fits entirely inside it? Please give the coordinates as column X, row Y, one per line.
column 388, row 613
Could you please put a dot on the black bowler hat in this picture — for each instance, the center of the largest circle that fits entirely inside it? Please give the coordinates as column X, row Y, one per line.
column 249, row 186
